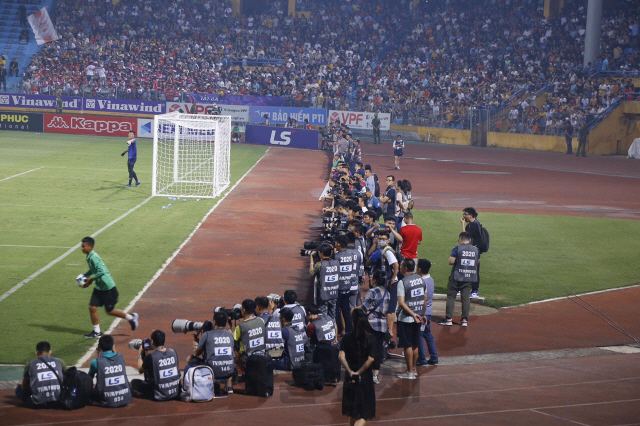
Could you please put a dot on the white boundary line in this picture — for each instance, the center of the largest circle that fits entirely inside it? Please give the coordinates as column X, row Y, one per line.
column 68, row 252
column 153, row 279
column 20, row 174
column 19, row 246
column 571, row 295
column 479, row 163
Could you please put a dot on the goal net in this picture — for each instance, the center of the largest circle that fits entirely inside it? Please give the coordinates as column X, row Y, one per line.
column 191, row 155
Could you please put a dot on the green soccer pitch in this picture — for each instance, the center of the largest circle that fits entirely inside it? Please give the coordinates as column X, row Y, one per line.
column 57, row 189
column 537, row 257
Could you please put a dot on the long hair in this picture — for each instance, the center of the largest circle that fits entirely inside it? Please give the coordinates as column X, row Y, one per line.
column 361, row 329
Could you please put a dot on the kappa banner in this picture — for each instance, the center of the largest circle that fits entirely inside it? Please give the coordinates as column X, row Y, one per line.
column 280, row 136
column 89, row 125
column 360, row 120
column 237, row 112
column 42, row 26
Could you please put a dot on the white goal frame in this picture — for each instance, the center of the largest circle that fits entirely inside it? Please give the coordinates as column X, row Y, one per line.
column 191, row 155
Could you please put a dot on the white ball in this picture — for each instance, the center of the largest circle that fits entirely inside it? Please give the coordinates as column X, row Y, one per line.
column 80, row 280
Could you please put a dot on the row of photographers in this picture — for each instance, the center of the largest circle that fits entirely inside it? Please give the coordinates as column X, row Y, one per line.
column 275, row 329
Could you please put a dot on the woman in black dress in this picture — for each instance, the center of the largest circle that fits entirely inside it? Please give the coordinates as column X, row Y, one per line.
column 356, row 355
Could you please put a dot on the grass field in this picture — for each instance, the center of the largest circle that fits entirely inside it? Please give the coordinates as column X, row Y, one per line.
column 77, row 189
column 536, row 257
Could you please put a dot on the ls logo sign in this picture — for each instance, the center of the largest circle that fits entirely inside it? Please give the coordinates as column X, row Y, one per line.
column 283, row 139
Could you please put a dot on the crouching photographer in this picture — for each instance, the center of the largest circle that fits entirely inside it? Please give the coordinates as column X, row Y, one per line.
column 216, row 346
column 160, row 367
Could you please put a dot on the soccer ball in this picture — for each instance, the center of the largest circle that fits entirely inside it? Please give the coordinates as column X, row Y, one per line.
column 80, row 280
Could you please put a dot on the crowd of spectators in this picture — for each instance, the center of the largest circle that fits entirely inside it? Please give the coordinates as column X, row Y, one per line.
column 427, row 63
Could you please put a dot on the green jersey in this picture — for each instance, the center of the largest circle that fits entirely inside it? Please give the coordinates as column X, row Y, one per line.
column 99, row 272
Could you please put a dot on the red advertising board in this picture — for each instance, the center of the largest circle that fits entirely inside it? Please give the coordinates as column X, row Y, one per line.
column 89, row 125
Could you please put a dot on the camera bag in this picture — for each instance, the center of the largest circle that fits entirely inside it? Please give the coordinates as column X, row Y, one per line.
column 76, row 389
column 309, row 376
column 259, row 375
column 326, row 354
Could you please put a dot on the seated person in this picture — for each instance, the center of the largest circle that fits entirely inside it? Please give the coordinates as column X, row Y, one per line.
column 319, row 328
column 250, row 334
column 299, row 315
column 274, row 342
column 216, row 346
column 161, row 371
column 112, row 385
column 41, row 384
column 295, row 343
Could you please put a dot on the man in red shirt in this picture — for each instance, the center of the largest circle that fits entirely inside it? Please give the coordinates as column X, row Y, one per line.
column 411, row 236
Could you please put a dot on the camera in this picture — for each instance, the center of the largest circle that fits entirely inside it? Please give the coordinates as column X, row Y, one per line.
column 135, row 344
column 234, row 313
column 185, row 326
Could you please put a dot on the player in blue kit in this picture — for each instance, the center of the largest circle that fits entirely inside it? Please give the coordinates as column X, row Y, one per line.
column 132, row 150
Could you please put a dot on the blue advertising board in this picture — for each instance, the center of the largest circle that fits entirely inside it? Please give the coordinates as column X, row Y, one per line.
column 280, row 115
column 282, row 136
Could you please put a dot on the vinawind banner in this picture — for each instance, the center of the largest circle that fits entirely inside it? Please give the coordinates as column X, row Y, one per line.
column 282, row 136
column 22, row 121
column 77, row 104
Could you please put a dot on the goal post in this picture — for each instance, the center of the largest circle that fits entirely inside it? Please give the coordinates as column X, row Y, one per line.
column 191, row 155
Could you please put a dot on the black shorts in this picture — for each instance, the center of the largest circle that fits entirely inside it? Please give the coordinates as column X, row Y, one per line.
column 108, row 298
column 408, row 334
column 397, row 152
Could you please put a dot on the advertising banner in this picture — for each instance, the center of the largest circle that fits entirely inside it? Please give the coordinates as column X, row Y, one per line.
column 212, row 98
column 124, row 106
column 39, row 102
column 73, row 103
column 280, row 115
column 281, row 136
column 145, row 128
column 23, row 121
column 237, row 112
column 89, row 125
column 360, row 120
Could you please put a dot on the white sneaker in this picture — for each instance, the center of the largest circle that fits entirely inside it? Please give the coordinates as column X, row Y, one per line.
column 464, row 323
column 447, row 322
column 407, row 375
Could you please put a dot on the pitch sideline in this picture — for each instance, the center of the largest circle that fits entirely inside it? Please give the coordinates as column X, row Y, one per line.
column 153, row 279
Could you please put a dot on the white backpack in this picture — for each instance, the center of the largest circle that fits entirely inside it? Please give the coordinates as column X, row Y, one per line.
column 198, row 384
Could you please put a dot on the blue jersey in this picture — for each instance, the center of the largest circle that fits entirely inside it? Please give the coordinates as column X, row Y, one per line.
column 133, row 150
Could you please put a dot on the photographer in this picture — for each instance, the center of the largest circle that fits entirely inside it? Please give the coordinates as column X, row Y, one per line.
column 295, row 341
column 376, row 305
column 299, row 315
column 320, row 328
column 274, row 342
column 161, row 371
column 250, row 334
column 346, row 260
column 325, row 281
column 112, row 385
column 382, row 257
column 216, row 346
column 41, row 384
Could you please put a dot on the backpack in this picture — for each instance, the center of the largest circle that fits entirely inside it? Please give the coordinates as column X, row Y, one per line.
column 483, row 244
column 76, row 388
column 326, row 354
column 198, row 384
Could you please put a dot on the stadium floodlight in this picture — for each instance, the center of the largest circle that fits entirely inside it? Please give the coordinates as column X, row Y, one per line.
column 191, row 155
